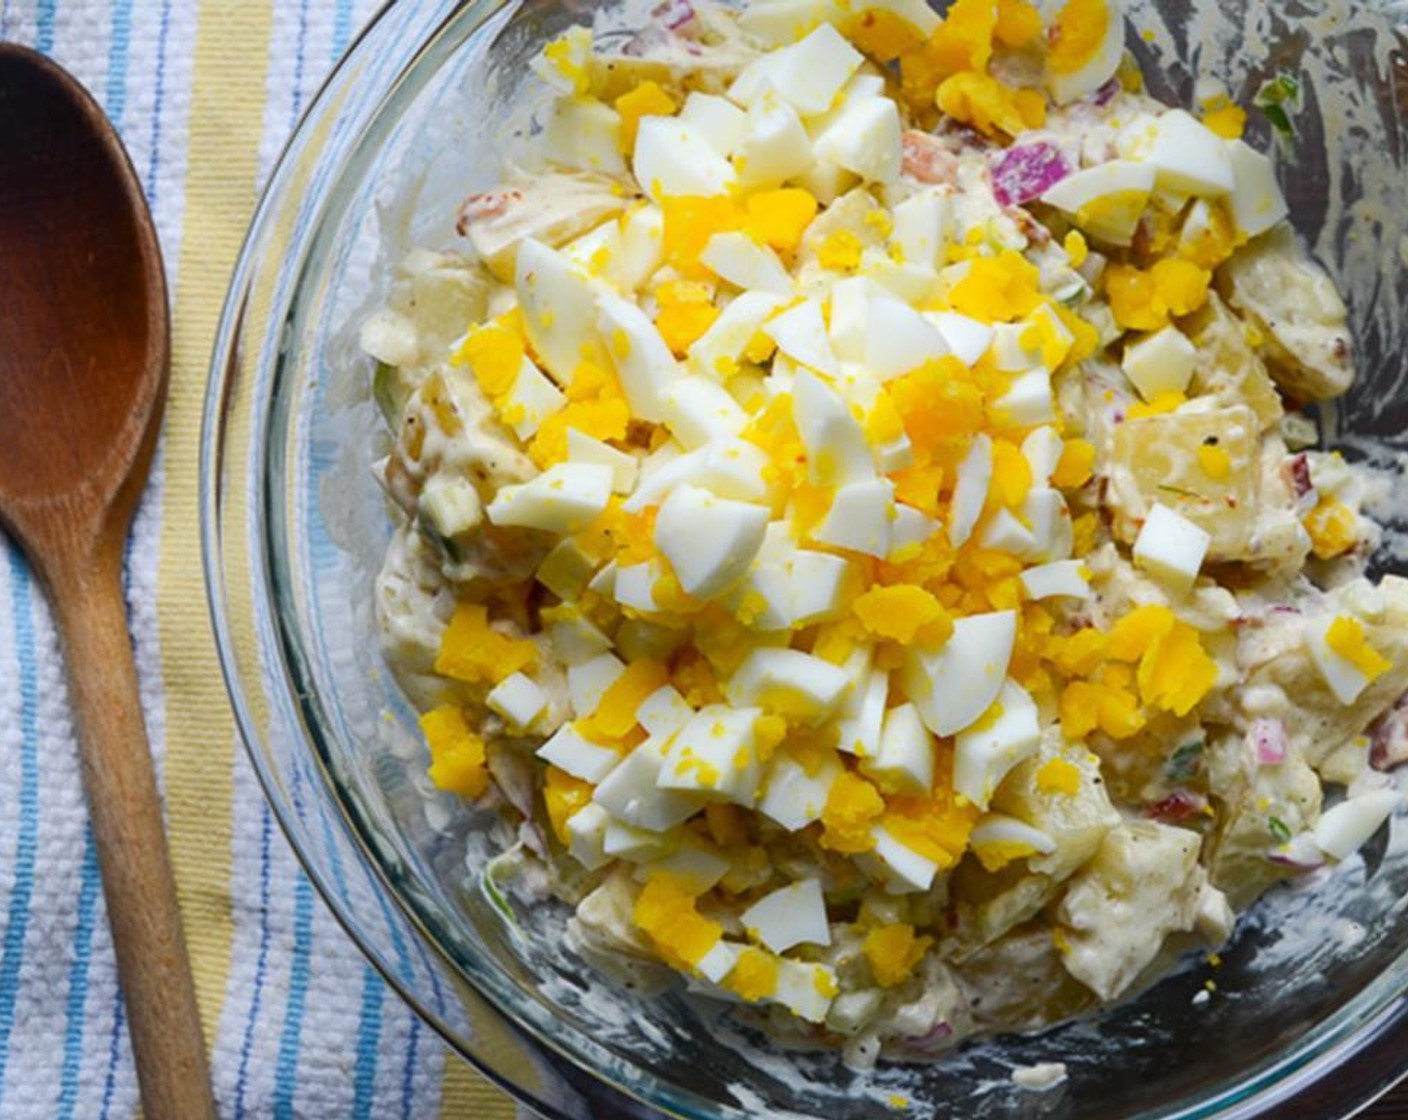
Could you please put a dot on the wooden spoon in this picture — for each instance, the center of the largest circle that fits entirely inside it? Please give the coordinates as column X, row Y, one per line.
column 84, row 350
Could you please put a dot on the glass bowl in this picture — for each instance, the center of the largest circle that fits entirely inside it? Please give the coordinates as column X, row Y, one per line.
column 1309, row 1013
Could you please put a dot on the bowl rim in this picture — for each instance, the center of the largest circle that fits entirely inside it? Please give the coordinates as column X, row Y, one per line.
column 1358, row 1039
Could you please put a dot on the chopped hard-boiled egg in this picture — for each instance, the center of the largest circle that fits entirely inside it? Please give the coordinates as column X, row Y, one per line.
column 519, row 700
column 717, row 119
column 1160, row 363
column 1171, row 548
column 715, row 754
column 986, row 751
column 709, row 541
column 1106, row 200
column 798, row 686
column 1343, row 830
column 1087, row 43
column 673, row 159
column 905, row 761
column 1256, row 201
column 791, row 915
column 954, row 685
column 562, row 499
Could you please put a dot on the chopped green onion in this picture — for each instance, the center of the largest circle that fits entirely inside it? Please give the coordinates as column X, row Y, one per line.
column 1276, row 99
column 1279, row 830
column 1185, row 761
column 491, row 890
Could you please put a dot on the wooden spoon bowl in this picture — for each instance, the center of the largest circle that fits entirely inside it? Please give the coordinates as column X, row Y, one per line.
column 84, row 352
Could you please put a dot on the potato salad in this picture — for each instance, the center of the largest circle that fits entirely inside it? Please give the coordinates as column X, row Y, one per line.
column 857, row 526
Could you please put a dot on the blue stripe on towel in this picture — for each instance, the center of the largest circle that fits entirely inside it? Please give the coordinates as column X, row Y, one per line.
column 286, row 1083
column 12, row 953
column 262, row 961
column 119, row 51
column 44, row 27
column 78, row 978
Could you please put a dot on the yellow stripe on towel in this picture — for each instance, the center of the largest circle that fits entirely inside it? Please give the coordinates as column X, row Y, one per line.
column 226, row 122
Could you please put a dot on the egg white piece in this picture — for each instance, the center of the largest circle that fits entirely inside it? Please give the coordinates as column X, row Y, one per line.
column 586, row 836
column 909, row 283
column 970, row 492
column 1188, row 157
column 776, row 148
column 1003, row 532
column 519, row 700
column 559, row 308
column 1162, row 362
column 909, row 528
column 573, row 637
column 967, row 339
column 1009, row 353
column 1045, row 512
column 709, row 541
column 717, row 351
column 816, row 586
column 1058, row 579
column 862, row 718
column 863, row 137
column 849, row 306
column 1342, row 676
column 923, row 223
column 1028, row 400
column 1343, row 829
column 903, row 870
column 744, row 263
column 1106, row 200
column 564, row 498
column 727, row 468
column 452, row 505
column 635, row 585
column 717, row 119
column 955, row 684
column 672, row 158
column 812, row 71
column 1042, row 450
column 569, row 751
column 800, row 333
column 598, row 252
column 1256, row 201
column 587, row 682
column 837, row 449
column 697, row 863
column 1171, row 548
column 793, row 796
column 859, row 518
column 802, row 988
column 795, row 684
column 791, row 915
column 664, row 712
column 715, row 754
column 585, row 134
column 698, row 410
column 1097, row 68
column 985, row 753
column 589, row 450
column 642, row 359
column 631, row 793
column 531, row 399
column 778, row 22
column 642, row 246
column 635, row 844
column 905, row 761
column 999, row 828
column 721, row 959
column 899, row 339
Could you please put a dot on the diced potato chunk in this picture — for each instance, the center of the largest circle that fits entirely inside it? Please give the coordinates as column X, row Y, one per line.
column 1144, row 884
column 1156, row 460
column 1228, row 369
column 1303, row 320
column 1019, row 984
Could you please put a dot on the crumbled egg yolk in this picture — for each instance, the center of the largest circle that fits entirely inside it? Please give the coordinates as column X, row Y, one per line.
column 456, row 753
column 840, row 251
column 1215, row 461
column 990, row 106
column 904, row 613
column 1225, row 119
column 471, row 650
column 689, row 223
column 1058, row 775
column 936, row 827
column 1000, row 289
column 1075, row 466
column 1076, row 34
column 648, row 99
column 1333, row 528
column 852, row 806
column 596, row 407
column 1146, row 299
column 666, row 912
column 1347, row 638
column 686, row 312
column 779, row 217
column 563, row 796
column 754, row 975
column 893, row 951
column 615, row 714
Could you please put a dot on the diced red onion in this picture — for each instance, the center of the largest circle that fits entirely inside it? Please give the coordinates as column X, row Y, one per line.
column 1023, row 173
column 1177, row 806
column 930, row 1039
column 1388, row 737
column 1106, row 93
column 674, row 14
column 1269, row 738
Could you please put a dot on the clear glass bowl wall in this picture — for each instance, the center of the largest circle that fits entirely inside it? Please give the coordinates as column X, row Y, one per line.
column 294, row 527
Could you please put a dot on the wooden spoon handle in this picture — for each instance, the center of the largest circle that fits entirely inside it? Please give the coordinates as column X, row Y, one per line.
column 152, row 964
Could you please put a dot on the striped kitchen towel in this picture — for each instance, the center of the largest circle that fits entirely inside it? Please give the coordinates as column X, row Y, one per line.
column 204, row 93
